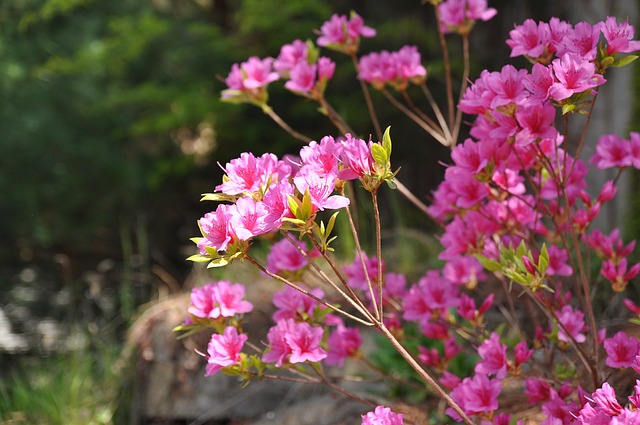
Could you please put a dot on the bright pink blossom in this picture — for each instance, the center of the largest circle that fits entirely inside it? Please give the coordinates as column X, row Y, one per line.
column 619, row 36
column 356, row 277
column 382, row 416
column 304, row 341
column 530, row 39
column 536, row 390
column 558, row 258
column 344, row 34
column 583, row 40
column 573, row 322
column 284, row 255
column 574, row 75
column 605, row 400
column 621, row 350
column 494, row 357
column 343, row 342
column 356, row 156
column 224, row 350
column 459, row 15
column 293, row 304
column 612, row 151
column 216, row 228
column 290, row 55
column 476, row 395
column 249, row 218
column 320, row 190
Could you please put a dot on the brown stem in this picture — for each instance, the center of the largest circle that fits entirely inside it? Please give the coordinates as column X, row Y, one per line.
column 376, row 215
column 335, row 118
column 426, row 118
column 305, row 292
column 423, row 373
column 275, row 117
column 447, row 66
column 426, row 127
column 463, row 88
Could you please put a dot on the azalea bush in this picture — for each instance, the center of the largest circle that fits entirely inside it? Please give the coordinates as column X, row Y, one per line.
column 526, row 279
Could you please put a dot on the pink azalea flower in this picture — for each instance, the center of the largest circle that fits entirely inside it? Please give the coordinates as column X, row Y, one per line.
column 203, row 302
column 382, row 416
column 276, row 203
column 455, row 15
column 494, row 357
column 507, row 85
column 618, row 273
column 530, row 39
column 290, row 55
column 285, row 256
column 258, row 72
column 558, row 258
column 537, row 122
column 344, row 34
column 321, row 157
column 621, row 350
column 395, row 285
column 248, row 173
column 409, row 68
column 537, row 390
column 216, row 228
column 377, row 69
column 356, row 156
column 477, row 98
column 635, row 398
column 248, row 218
column 634, row 149
column 470, row 156
column 619, row 36
column 558, row 410
column 304, row 341
column 279, row 350
column 538, row 83
column 574, row 75
column 605, row 400
column 326, row 68
column 320, row 189
column 230, row 299
column 302, row 78
column 522, row 353
column 224, row 350
column 463, row 271
column 573, row 322
column 612, row 151
column 476, row 395
column 293, row 304
column 355, row 274
column 559, row 32
column 470, row 191
column 583, row 40
column 343, row 342
column 449, row 380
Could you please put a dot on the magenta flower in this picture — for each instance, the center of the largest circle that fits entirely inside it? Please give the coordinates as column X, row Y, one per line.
column 605, row 400
column 340, row 33
column 537, row 390
column 382, row 416
column 583, row 40
column 248, row 173
column 230, row 299
column 293, row 304
column 459, row 15
column 408, row 66
column 621, row 350
column 249, row 218
column 494, row 357
column 522, row 353
column 612, row 151
column 304, row 341
column 537, row 122
column 216, row 228
column 203, row 302
column 538, row 83
column 476, row 395
column 356, row 156
column 573, row 322
column 463, row 271
column 558, row 258
column 285, row 256
column 321, row 157
column 290, row 55
column 377, row 69
column 470, row 191
column 356, row 277
column 618, row 274
column 634, row 148
column 530, row 39
column 258, row 72
column 574, row 75
column 320, row 189
column 343, row 342
column 302, row 78
column 619, row 36
column 508, row 86
column 224, row 350
column 279, row 349
column 276, row 203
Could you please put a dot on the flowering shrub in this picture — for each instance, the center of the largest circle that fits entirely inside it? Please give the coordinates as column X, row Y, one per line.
column 516, row 218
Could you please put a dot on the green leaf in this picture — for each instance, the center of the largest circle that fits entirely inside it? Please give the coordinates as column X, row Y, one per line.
column 379, row 154
column 543, row 261
column 569, row 107
column 386, row 141
column 216, row 197
column 307, row 206
column 199, row 258
column 489, row 264
column 625, row 60
column 392, row 185
column 294, row 205
column 218, row 262
column 331, row 223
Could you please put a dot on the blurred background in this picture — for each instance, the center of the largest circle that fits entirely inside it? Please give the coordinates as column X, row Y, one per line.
column 110, row 129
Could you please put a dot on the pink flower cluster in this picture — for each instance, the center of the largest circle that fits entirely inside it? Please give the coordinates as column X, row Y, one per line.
column 307, row 75
column 613, row 253
column 342, row 34
column 248, row 81
column 612, row 151
column 540, row 41
column 218, row 299
column 382, row 416
column 397, row 69
column 263, row 190
column 460, row 15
